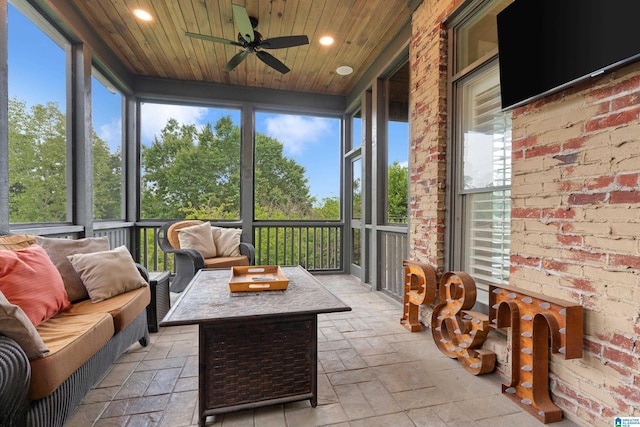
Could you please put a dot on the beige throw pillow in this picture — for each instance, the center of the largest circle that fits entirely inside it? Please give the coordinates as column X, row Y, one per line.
column 15, row 324
column 227, row 240
column 108, row 273
column 198, row 237
column 59, row 249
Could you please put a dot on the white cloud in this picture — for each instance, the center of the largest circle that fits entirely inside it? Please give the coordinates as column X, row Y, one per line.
column 111, row 133
column 155, row 117
column 297, row 132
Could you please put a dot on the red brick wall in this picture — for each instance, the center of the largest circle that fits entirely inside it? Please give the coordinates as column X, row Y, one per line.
column 427, row 151
column 576, row 233
column 575, row 218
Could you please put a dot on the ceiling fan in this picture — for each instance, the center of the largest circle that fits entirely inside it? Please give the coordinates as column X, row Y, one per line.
column 252, row 42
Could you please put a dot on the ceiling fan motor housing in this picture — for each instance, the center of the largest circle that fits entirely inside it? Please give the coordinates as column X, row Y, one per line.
column 257, row 39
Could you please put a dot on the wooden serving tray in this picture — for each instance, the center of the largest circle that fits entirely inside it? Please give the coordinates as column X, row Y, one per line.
column 257, row 278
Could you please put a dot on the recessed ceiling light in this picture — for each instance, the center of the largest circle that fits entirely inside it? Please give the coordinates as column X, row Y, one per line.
column 344, row 70
column 142, row 14
column 326, row 40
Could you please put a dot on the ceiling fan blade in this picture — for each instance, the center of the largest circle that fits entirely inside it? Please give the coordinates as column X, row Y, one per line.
column 272, row 62
column 283, row 42
column 236, row 60
column 241, row 18
column 211, row 38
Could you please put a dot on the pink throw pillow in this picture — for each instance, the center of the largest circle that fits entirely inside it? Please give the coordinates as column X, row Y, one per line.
column 29, row 280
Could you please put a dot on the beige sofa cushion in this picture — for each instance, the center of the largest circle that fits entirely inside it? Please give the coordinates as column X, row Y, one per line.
column 124, row 308
column 72, row 340
column 11, row 242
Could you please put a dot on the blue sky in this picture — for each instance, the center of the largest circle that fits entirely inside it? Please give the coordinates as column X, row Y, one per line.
column 37, row 75
column 37, row 65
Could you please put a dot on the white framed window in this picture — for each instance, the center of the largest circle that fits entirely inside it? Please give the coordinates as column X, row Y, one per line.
column 481, row 163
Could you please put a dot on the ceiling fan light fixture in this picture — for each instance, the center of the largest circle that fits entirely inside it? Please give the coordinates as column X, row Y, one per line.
column 344, row 70
column 142, row 14
column 252, row 42
column 326, row 40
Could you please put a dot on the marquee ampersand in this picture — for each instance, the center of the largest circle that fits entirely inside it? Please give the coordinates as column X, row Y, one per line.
column 457, row 331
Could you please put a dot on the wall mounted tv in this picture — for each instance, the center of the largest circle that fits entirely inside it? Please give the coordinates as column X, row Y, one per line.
column 548, row 45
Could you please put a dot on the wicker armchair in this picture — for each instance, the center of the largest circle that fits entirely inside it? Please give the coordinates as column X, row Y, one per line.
column 189, row 261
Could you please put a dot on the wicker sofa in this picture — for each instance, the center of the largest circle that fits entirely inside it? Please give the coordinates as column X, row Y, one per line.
column 83, row 341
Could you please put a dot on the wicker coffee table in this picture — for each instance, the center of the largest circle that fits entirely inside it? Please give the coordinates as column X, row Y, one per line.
column 255, row 348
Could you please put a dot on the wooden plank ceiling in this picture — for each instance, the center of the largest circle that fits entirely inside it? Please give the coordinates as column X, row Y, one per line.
column 159, row 48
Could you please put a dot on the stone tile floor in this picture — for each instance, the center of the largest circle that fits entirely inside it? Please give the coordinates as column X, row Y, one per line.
column 371, row 373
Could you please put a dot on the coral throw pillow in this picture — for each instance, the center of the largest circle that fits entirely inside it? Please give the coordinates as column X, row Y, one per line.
column 29, row 280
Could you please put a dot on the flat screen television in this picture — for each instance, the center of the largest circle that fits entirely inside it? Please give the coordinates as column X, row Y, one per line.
column 548, row 45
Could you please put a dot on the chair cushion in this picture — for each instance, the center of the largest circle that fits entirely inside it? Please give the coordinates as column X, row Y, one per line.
column 225, row 261
column 58, row 249
column 29, row 279
column 124, row 308
column 198, row 237
column 106, row 274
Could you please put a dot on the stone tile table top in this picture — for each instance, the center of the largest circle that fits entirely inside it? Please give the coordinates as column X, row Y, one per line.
column 207, row 299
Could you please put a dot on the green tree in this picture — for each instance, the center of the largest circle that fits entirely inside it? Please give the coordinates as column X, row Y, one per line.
column 107, row 182
column 195, row 173
column 328, row 210
column 38, row 167
column 356, row 202
column 37, row 163
column 398, row 193
column 187, row 168
column 281, row 187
